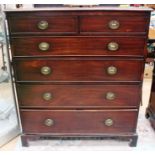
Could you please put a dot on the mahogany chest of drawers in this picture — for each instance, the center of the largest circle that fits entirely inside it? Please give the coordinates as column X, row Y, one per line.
column 78, row 71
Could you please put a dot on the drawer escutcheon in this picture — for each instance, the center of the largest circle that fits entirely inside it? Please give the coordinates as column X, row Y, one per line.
column 114, row 24
column 110, row 96
column 112, row 70
column 109, row 122
column 49, row 122
column 113, row 46
column 45, row 70
column 44, row 46
column 43, row 25
column 47, row 96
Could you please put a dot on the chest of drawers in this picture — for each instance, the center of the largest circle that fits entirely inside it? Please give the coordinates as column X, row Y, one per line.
column 78, row 72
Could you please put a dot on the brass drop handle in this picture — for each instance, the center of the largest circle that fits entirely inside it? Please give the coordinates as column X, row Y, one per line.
column 109, row 122
column 112, row 70
column 110, row 96
column 47, row 96
column 44, row 46
column 113, row 46
column 49, row 122
column 42, row 25
column 45, row 70
column 114, row 24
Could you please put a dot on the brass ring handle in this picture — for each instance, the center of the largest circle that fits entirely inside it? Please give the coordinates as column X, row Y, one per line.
column 113, row 46
column 110, row 96
column 44, row 46
column 112, row 70
column 49, row 122
column 109, row 122
column 45, row 70
column 47, row 96
column 114, row 24
column 43, row 25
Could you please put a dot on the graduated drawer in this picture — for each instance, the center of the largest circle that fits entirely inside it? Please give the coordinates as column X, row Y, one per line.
column 114, row 23
column 51, row 46
column 21, row 24
column 78, row 96
column 78, row 70
column 78, row 122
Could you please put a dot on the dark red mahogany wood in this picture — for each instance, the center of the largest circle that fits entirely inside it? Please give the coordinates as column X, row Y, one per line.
column 78, row 96
column 81, row 122
column 85, row 46
column 99, row 24
column 89, row 22
column 78, row 57
column 78, row 70
column 58, row 24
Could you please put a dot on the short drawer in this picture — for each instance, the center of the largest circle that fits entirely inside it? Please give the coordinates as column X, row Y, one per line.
column 78, row 96
column 42, row 25
column 103, row 46
column 104, row 24
column 78, row 70
column 79, row 122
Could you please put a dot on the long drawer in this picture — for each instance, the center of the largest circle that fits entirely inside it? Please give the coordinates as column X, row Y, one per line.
column 79, row 122
column 78, row 96
column 78, row 70
column 103, row 46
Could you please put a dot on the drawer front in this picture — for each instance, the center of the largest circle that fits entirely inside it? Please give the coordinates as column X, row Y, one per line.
column 43, row 25
column 50, row 46
column 64, row 96
column 78, row 70
column 114, row 24
column 82, row 122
